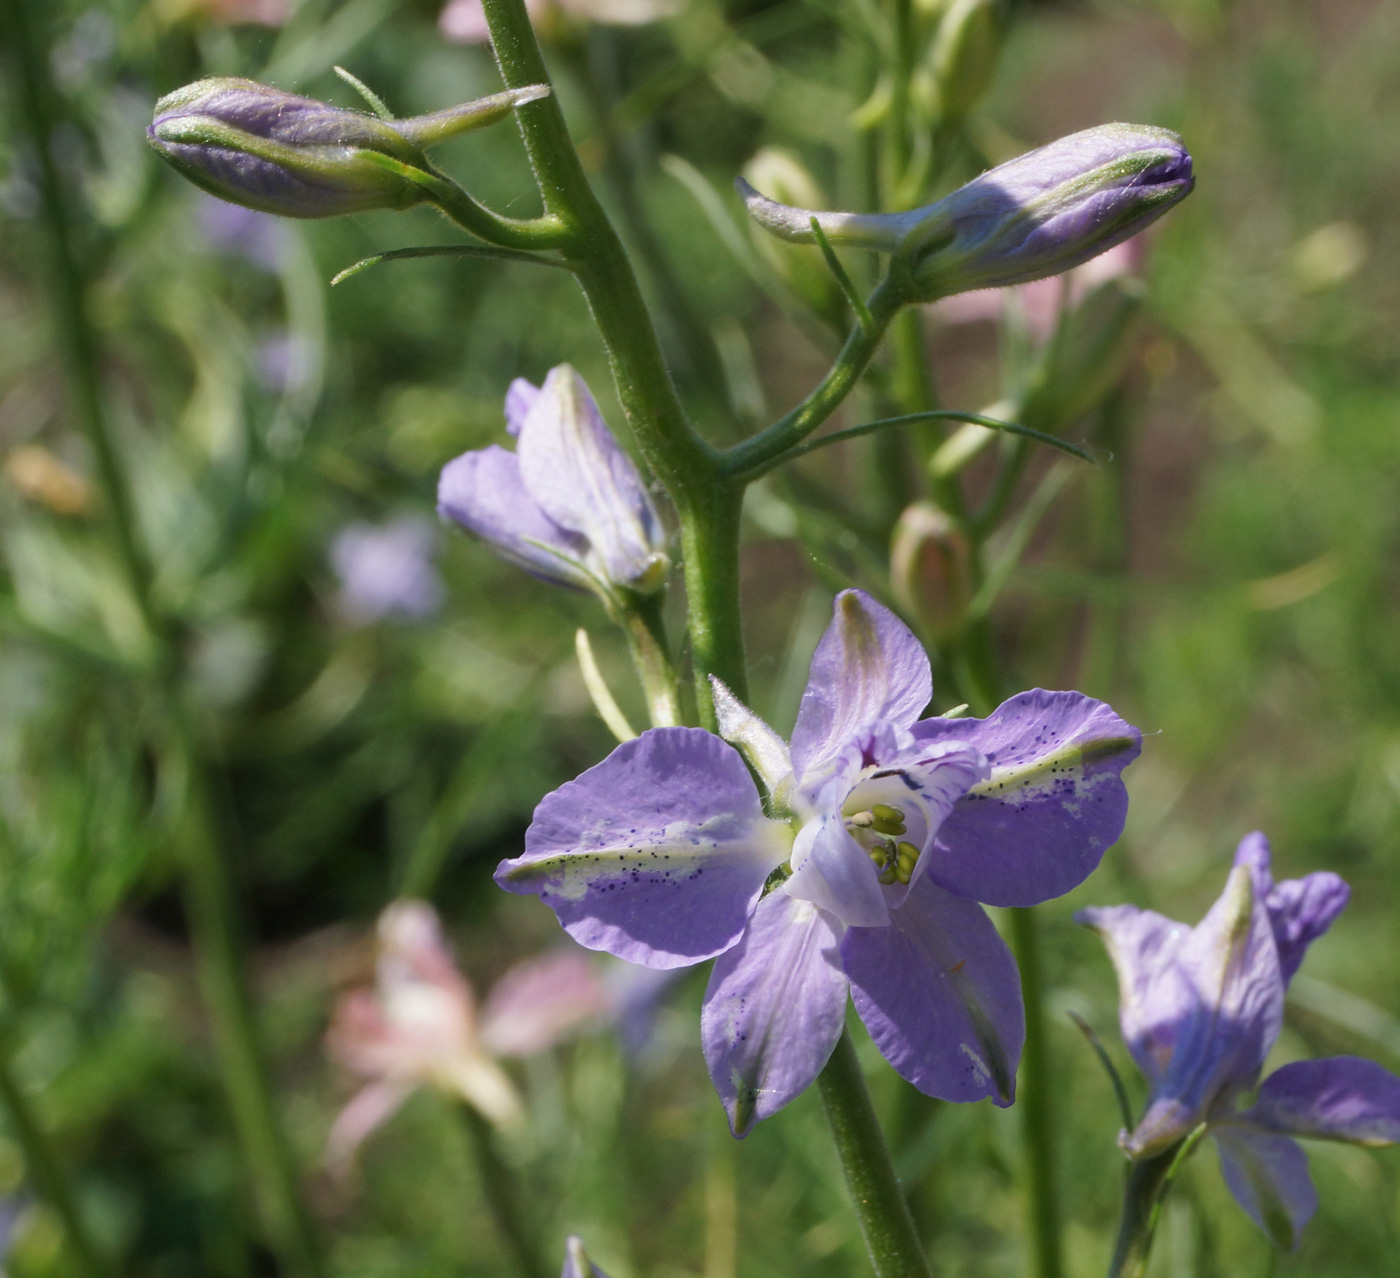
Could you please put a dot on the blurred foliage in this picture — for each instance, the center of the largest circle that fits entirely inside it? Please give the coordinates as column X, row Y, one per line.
column 1228, row 578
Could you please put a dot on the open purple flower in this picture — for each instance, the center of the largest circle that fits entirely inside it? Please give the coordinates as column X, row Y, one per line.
column 881, row 835
column 568, row 505
column 1200, row 1010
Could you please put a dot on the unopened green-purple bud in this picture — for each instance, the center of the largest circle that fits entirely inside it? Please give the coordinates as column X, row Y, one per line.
column 1037, row 215
column 260, row 147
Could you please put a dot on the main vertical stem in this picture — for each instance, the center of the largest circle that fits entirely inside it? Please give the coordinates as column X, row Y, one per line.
column 209, row 893
column 885, row 1222
column 1034, row 1102
column 1145, row 1188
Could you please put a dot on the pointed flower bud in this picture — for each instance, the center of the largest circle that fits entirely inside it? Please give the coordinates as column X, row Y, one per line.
column 576, row 1262
column 931, row 569
column 964, row 55
column 1036, row 215
column 258, row 146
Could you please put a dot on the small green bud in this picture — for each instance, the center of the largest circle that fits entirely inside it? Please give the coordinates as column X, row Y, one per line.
column 931, row 569
column 260, row 147
column 964, row 55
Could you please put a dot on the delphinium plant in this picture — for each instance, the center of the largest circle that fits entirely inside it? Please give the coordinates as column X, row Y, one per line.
column 854, row 859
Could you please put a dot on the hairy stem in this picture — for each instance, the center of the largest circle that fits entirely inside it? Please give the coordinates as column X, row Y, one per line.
column 885, row 1221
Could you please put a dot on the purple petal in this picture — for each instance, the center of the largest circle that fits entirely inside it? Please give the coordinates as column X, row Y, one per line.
column 1054, row 804
column 833, row 872
column 520, row 398
column 1154, row 1001
column 1268, row 1176
column 573, row 468
column 1225, row 977
column 1300, row 910
column 940, row 994
column 657, row 854
column 1336, row 1098
column 867, row 667
column 482, row 491
column 774, row 1009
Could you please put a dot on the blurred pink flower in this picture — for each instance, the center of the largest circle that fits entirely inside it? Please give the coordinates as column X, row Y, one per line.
column 418, row 1025
column 1040, row 301
column 464, row 21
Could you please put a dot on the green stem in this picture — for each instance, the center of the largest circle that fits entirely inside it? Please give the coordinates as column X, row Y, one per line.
column 1146, row 1186
column 209, row 891
column 47, row 1176
column 885, row 1222
column 1034, row 1101
column 646, row 637
column 502, row 1191
column 756, row 455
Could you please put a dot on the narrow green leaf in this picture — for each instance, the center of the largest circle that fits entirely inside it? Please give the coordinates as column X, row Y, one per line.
column 449, row 250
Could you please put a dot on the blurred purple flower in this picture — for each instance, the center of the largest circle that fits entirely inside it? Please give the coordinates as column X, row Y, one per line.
column 568, row 505
column 1200, row 1010
column 231, row 228
column 897, row 827
column 576, row 1262
column 418, row 1026
column 387, row 570
column 1037, row 215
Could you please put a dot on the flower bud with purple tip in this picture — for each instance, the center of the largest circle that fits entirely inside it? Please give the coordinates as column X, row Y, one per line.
column 266, row 149
column 1037, row 215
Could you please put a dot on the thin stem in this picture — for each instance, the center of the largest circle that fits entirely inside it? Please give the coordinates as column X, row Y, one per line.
column 209, row 890
column 47, row 1175
column 646, row 637
column 1034, row 1102
column 885, row 1221
column 756, row 455
column 1143, row 1194
column 502, row 1190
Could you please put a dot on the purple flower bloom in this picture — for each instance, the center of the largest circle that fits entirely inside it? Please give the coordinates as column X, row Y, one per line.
column 568, row 505
column 886, row 831
column 1200, row 1010
column 387, row 571
column 1036, row 215
column 266, row 149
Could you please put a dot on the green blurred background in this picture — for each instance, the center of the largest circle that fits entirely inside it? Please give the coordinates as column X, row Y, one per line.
column 1228, row 579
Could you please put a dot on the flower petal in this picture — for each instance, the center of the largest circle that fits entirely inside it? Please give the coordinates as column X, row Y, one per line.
column 834, row 873
column 1053, row 805
column 540, row 1002
column 1300, row 910
column 774, row 1009
column 939, row 992
column 867, row 667
column 765, row 750
column 1153, row 998
column 1336, row 1098
column 368, row 1109
column 520, row 398
column 1234, row 1010
column 573, row 468
column 1268, row 1176
column 483, row 492
column 657, row 854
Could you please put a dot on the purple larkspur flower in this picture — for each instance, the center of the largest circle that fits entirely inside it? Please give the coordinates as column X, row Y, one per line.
column 282, row 153
column 886, row 833
column 1201, row 1008
column 387, row 571
column 568, row 504
column 576, row 1262
column 1037, row 215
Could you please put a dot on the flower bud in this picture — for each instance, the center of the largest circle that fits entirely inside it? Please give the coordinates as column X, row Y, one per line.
column 260, row 147
column 964, row 55
column 930, row 569
column 801, row 267
column 1036, row 215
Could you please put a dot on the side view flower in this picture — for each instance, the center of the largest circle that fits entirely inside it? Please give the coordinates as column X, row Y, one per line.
column 419, row 1026
column 568, row 505
column 1037, row 215
column 881, row 835
column 1200, row 1010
